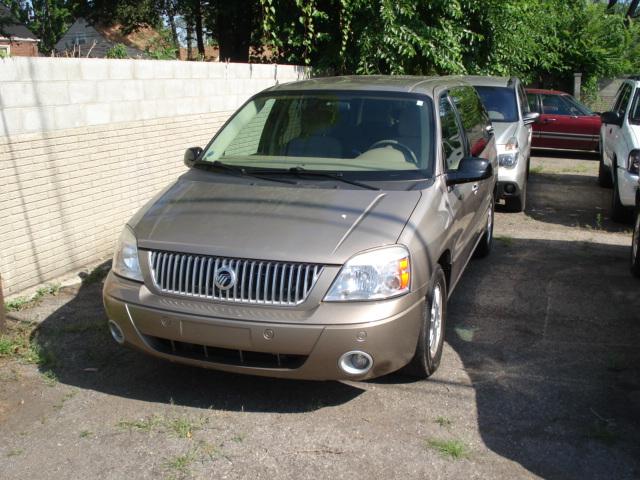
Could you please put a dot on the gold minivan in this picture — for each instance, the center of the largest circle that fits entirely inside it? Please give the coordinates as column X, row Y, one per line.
column 317, row 236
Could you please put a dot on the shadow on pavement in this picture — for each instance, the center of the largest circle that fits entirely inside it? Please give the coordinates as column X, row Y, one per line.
column 549, row 334
column 565, row 154
column 76, row 346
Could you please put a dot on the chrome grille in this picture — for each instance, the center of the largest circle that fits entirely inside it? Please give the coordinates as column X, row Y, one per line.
column 257, row 281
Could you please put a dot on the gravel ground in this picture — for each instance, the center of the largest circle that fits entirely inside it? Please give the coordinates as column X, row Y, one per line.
column 540, row 377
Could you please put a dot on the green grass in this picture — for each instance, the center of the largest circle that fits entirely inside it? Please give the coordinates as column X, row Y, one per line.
column 50, row 378
column 182, row 427
column 443, row 421
column 449, row 448
column 16, row 452
column 239, row 438
column 86, row 433
column 505, row 239
column 144, row 425
column 20, row 303
column 181, row 463
column 18, row 344
column 537, row 169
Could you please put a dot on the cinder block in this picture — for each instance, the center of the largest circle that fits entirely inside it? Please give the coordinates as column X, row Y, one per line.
column 163, row 69
column 51, row 93
column 69, row 116
column 16, row 94
column 143, row 69
column 121, row 69
column 37, row 119
column 97, row 113
column 82, row 92
column 263, row 71
column 95, row 69
column 153, row 89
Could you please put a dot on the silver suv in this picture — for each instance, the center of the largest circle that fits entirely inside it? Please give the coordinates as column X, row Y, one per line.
column 506, row 101
column 317, row 236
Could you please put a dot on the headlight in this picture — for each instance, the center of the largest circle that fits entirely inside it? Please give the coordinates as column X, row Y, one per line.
column 373, row 275
column 633, row 165
column 508, row 156
column 125, row 259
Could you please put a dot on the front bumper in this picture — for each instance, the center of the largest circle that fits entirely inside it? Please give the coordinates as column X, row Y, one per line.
column 298, row 350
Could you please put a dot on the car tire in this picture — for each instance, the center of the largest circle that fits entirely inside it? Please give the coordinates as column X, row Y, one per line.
column 519, row 203
column 426, row 358
column 486, row 242
column 604, row 173
column 619, row 213
column 635, row 246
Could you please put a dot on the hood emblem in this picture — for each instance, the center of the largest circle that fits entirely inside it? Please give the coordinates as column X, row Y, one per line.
column 225, row 278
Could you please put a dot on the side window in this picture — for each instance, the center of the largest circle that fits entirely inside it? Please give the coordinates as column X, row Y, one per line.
column 522, row 98
column 623, row 99
column 532, row 101
column 555, row 105
column 473, row 116
column 452, row 140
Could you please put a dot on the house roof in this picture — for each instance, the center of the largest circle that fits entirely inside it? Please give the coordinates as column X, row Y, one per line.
column 10, row 27
column 94, row 39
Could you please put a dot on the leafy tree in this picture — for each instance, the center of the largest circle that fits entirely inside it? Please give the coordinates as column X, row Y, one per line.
column 119, row 50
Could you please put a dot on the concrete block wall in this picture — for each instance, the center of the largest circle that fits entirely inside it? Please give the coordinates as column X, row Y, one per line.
column 84, row 143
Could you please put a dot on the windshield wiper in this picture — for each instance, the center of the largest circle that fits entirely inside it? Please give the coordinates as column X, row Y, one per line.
column 240, row 170
column 299, row 171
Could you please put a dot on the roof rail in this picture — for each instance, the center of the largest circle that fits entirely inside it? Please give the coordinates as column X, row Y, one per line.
column 511, row 81
column 633, row 77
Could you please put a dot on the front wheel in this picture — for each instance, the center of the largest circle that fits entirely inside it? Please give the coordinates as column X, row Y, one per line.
column 604, row 173
column 431, row 337
column 635, row 246
column 619, row 213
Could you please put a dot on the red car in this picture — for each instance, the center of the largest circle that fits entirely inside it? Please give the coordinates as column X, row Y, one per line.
column 564, row 121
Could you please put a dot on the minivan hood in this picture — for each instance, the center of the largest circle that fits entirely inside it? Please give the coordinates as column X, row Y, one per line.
column 503, row 131
column 286, row 223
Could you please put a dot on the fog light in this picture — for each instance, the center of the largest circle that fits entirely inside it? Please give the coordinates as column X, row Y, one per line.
column 116, row 332
column 510, row 188
column 355, row 363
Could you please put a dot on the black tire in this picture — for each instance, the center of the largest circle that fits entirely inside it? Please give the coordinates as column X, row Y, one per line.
column 604, row 174
column 619, row 213
column 424, row 363
column 519, row 203
column 635, row 246
column 486, row 242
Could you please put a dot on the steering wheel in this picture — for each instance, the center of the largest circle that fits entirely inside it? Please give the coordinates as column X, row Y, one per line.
column 397, row 145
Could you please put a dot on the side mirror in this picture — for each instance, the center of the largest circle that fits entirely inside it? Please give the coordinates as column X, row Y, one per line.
column 471, row 169
column 530, row 118
column 489, row 130
column 613, row 118
column 191, row 155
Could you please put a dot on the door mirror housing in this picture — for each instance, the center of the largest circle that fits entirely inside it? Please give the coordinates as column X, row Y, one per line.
column 611, row 118
column 191, row 155
column 530, row 118
column 471, row 169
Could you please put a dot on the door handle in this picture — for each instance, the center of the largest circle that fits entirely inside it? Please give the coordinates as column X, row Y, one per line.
column 475, row 188
column 549, row 120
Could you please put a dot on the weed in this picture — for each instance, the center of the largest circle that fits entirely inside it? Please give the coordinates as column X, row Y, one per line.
column 20, row 303
column 537, row 169
column 599, row 221
column 145, row 424
column 62, row 401
column 505, row 239
column 443, row 421
column 449, row 448
column 239, row 438
column 181, row 463
column 16, row 452
column 85, row 433
column 183, row 427
column 18, row 344
column 50, row 378
column 603, row 432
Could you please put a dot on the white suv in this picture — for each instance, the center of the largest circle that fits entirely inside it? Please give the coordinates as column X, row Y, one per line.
column 620, row 151
column 506, row 102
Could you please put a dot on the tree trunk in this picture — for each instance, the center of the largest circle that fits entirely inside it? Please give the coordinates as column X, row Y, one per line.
column 199, row 33
column 233, row 21
column 189, row 41
column 171, row 18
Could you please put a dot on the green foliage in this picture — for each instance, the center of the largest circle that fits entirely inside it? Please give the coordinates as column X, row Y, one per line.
column 537, row 40
column 162, row 47
column 119, row 50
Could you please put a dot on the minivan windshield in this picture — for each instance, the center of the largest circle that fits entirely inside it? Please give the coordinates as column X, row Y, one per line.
column 378, row 136
column 500, row 103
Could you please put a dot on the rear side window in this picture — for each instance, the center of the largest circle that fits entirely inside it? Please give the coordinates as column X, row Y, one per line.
column 555, row 105
column 452, row 139
column 500, row 102
column 522, row 97
column 634, row 113
column 623, row 99
column 473, row 116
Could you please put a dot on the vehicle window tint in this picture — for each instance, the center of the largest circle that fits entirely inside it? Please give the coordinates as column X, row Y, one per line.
column 623, row 99
column 634, row 113
column 532, row 101
column 473, row 116
column 248, row 139
column 555, row 105
column 500, row 103
column 577, row 107
column 452, row 140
